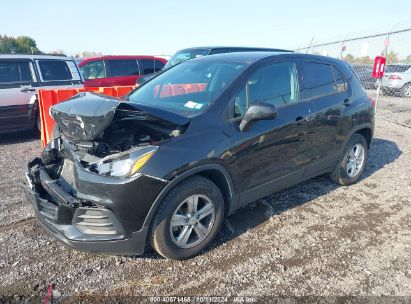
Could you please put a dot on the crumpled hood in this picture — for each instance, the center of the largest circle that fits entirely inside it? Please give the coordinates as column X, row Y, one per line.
column 86, row 115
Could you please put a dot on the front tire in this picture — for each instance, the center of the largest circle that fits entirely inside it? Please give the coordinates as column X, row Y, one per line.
column 352, row 164
column 188, row 219
column 37, row 125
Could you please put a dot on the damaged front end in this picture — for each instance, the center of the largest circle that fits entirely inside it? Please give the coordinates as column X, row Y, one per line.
column 87, row 188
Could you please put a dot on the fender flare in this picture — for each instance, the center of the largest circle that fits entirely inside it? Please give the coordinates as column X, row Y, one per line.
column 355, row 129
column 186, row 174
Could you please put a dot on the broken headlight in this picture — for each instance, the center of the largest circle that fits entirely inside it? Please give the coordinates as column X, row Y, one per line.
column 125, row 164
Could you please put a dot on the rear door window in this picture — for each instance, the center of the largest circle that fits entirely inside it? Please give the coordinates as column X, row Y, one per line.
column 318, row 80
column 149, row 66
column 94, row 70
column 52, row 70
column 123, row 67
column 15, row 72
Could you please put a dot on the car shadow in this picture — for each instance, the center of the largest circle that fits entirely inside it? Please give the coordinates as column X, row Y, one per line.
column 18, row 137
column 382, row 153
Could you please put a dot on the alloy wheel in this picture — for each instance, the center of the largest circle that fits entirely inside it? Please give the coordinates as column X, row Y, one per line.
column 192, row 221
column 355, row 160
column 407, row 91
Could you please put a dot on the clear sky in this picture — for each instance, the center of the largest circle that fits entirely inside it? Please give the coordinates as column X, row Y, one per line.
column 162, row 27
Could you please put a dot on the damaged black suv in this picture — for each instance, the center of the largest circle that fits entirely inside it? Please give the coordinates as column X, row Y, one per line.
column 194, row 144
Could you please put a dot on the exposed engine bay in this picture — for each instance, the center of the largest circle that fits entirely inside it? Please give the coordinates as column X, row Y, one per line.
column 126, row 132
column 104, row 134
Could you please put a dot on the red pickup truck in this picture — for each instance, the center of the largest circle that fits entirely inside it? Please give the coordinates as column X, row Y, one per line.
column 108, row 71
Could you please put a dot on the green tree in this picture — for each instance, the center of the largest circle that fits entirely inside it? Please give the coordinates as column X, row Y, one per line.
column 392, row 57
column 406, row 59
column 349, row 57
column 58, row 52
column 19, row 45
column 87, row 54
column 7, row 44
column 364, row 60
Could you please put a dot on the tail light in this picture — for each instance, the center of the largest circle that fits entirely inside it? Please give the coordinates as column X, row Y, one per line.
column 396, row 77
column 372, row 101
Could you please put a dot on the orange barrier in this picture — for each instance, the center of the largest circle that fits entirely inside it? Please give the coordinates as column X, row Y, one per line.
column 48, row 98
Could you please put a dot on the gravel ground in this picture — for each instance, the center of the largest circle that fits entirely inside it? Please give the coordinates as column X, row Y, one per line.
column 314, row 239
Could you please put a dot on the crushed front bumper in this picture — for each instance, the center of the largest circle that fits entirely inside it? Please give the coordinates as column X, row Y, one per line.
column 97, row 227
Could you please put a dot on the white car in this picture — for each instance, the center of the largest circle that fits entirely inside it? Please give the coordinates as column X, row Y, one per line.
column 397, row 80
column 21, row 76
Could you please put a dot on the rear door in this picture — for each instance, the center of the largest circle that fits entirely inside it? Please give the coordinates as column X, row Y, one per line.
column 122, row 72
column 17, row 94
column 327, row 91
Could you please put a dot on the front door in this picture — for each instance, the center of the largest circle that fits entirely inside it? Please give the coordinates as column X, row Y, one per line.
column 271, row 150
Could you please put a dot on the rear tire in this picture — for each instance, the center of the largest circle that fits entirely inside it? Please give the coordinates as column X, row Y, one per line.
column 188, row 219
column 353, row 161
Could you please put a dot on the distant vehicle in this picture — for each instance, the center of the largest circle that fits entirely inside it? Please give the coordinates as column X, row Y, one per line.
column 193, row 145
column 21, row 76
column 191, row 53
column 108, row 71
column 397, row 80
column 363, row 73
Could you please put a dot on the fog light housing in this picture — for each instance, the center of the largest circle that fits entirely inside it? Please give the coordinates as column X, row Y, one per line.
column 97, row 221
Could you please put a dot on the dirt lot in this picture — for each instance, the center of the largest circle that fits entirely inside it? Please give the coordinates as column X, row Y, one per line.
column 312, row 239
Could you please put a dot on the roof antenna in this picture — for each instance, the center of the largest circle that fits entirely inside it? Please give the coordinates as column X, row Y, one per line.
column 311, row 42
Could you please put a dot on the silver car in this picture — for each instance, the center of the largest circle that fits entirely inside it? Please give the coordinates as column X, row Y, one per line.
column 397, row 80
column 21, row 76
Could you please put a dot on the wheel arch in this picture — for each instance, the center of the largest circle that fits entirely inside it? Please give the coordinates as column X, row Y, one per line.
column 365, row 129
column 367, row 133
column 403, row 89
column 214, row 172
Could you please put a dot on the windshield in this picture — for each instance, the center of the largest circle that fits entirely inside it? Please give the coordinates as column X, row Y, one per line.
column 187, row 88
column 397, row 68
column 185, row 55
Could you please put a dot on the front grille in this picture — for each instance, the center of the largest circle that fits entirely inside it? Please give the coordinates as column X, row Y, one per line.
column 96, row 221
column 57, row 193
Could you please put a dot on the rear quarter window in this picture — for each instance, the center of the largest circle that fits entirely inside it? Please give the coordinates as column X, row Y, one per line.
column 52, row 70
column 340, row 82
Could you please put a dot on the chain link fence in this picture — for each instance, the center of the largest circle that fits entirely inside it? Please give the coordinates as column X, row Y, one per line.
column 394, row 93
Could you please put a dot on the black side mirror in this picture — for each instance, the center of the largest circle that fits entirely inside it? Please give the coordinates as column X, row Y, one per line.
column 258, row 111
